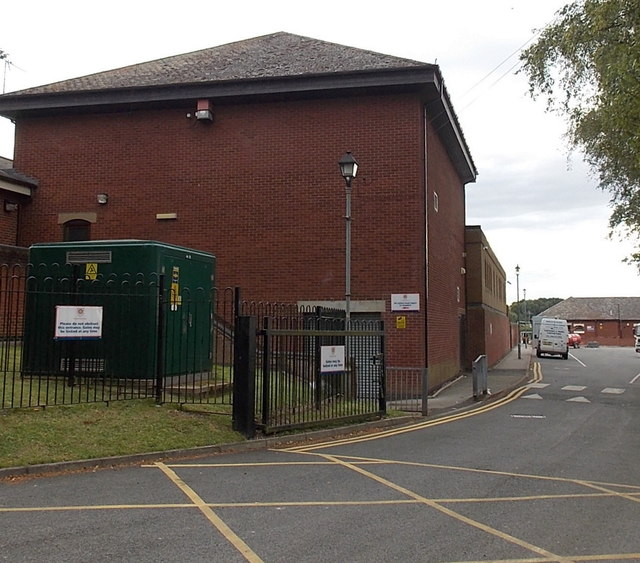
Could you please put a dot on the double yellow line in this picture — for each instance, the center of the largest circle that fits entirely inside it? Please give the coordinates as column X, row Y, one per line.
column 486, row 407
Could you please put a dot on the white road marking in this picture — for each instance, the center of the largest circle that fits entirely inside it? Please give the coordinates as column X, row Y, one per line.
column 574, row 387
column 613, row 390
column 534, row 396
column 577, row 360
column 578, row 400
column 538, row 385
column 528, row 416
column 635, row 379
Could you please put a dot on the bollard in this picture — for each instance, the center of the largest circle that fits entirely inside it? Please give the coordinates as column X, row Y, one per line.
column 479, row 375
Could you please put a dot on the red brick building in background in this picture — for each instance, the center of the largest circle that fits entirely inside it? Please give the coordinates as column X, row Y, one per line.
column 234, row 150
column 608, row 321
column 488, row 326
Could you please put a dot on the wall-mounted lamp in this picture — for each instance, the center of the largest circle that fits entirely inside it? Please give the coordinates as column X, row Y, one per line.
column 10, row 206
column 102, row 198
column 203, row 111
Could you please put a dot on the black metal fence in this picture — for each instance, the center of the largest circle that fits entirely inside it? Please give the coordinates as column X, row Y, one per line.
column 310, row 370
column 65, row 339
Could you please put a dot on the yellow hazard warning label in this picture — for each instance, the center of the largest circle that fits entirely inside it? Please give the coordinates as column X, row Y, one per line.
column 175, row 298
column 90, row 271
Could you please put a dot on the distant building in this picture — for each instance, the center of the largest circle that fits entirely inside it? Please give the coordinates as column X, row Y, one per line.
column 488, row 329
column 606, row 320
column 15, row 191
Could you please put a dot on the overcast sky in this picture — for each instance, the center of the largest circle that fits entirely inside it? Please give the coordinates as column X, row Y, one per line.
column 538, row 205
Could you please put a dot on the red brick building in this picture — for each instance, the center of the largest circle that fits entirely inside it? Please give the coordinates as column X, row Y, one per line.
column 234, row 150
column 488, row 327
column 15, row 190
column 609, row 321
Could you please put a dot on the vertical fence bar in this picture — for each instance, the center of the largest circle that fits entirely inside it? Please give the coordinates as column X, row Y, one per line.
column 382, row 404
column 71, row 345
column 160, row 340
column 424, row 392
column 266, row 371
column 244, row 380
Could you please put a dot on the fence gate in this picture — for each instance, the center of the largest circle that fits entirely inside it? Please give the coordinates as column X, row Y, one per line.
column 310, row 370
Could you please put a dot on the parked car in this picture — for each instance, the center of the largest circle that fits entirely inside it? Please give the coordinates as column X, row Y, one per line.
column 574, row 340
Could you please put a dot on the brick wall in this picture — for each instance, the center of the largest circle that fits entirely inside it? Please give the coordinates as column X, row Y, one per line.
column 609, row 332
column 260, row 188
column 13, row 264
column 488, row 326
column 8, row 222
column 446, row 291
column 488, row 333
column 13, row 256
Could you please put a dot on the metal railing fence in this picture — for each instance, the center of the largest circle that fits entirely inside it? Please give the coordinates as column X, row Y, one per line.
column 309, row 370
column 407, row 389
column 148, row 342
column 152, row 343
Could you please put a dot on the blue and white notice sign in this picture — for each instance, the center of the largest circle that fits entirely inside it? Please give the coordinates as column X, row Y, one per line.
column 331, row 359
column 78, row 322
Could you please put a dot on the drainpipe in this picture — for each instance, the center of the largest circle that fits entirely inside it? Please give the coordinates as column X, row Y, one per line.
column 425, row 374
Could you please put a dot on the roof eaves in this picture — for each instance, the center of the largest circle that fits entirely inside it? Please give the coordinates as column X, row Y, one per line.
column 445, row 119
column 15, row 177
column 13, row 105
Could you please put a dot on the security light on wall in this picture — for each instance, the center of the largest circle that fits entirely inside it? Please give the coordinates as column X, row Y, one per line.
column 10, row 206
column 102, row 198
column 203, row 111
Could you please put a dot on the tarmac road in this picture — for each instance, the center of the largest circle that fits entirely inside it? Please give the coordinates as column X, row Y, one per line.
column 515, row 479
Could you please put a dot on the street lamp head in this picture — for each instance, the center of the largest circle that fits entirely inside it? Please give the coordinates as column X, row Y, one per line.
column 348, row 167
column 517, row 269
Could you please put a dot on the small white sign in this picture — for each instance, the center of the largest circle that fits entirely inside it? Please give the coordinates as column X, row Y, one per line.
column 78, row 322
column 405, row 301
column 331, row 359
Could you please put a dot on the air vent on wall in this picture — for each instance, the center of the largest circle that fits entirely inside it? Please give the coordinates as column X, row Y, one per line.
column 89, row 257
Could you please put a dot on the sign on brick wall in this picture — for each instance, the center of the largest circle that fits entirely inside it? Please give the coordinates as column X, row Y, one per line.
column 405, row 301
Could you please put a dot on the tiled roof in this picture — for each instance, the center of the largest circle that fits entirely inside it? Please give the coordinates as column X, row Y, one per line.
column 595, row 308
column 271, row 66
column 279, row 55
column 12, row 175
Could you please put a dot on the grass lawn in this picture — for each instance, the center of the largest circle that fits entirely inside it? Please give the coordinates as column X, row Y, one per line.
column 67, row 433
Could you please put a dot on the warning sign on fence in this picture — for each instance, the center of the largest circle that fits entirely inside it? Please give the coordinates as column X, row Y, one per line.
column 77, row 322
column 331, row 359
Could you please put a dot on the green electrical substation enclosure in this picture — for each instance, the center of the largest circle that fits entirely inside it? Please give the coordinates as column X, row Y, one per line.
column 119, row 309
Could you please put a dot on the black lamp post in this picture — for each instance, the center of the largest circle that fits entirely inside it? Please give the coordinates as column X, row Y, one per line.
column 348, row 169
column 518, row 310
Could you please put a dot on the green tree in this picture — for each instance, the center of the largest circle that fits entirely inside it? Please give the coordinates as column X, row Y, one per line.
column 527, row 309
column 587, row 65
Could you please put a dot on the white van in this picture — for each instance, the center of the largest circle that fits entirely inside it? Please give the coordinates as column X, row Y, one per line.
column 553, row 338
